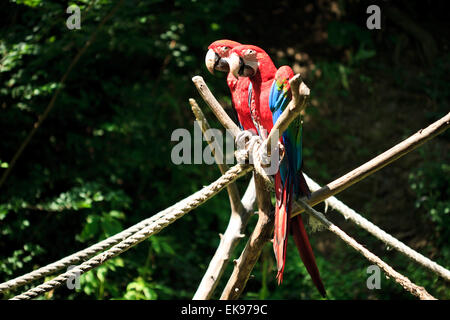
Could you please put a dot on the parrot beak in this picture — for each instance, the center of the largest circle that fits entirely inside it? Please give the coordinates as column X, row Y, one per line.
column 211, row 60
column 240, row 67
column 236, row 65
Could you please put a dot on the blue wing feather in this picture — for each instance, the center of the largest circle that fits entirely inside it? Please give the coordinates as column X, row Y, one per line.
column 292, row 180
column 292, row 138
column 277, row 103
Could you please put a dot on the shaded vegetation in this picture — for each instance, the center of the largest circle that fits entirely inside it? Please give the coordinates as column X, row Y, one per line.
column 101, row 160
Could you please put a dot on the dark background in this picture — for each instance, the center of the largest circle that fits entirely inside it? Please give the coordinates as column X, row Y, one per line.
column 101, row 160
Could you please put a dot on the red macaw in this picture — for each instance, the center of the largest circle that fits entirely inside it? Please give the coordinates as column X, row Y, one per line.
column 216, row 59
column 270, row 95
column 260, row 84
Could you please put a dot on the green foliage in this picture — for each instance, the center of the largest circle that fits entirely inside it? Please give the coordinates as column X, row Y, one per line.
column 359, row 45
column 100, row 162
column 345, row 34
column 30, row 3
column 96, row 283
column 432, row 188
column 140, row 290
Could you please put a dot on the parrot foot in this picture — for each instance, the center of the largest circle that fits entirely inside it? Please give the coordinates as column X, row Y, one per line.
column 244, row 142
column 249, row 148
column 262, row 161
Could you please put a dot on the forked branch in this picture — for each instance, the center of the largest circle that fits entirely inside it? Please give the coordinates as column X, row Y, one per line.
column 240, row 214
column 261, row 234
column 242, row 270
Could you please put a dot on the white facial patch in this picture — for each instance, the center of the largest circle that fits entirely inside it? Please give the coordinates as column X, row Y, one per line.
column 223, row 50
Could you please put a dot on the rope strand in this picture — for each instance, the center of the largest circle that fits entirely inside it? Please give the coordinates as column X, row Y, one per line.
column 382, row 235
column 194, row 201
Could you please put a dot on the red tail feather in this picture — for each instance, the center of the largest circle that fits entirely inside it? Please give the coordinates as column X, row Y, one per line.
column 306, row 253
column 281, row 226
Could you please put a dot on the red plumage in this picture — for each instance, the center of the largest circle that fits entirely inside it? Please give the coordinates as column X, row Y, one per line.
column 262, row 81
column 306, row 253
column 238, row 87
column 239, row 98
column 280, row 235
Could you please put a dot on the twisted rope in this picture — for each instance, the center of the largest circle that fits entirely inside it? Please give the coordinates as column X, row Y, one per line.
column 389, row 240
column 242, row 153
column 409, row 286
column 80, row 255
column 254, row 150
column 160, row 223
column 251, row 149
column 244, row 141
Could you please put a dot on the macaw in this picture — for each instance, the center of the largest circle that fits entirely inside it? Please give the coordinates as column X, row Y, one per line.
column 260, row 83
column 216, row 59
column 270, row 96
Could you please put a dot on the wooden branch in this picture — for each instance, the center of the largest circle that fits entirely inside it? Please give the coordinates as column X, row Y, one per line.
column 260, row 235
column 359, row 173
column 382, row 235
column 376, row 163
column 251, row 252
column 300, row 93
column 233, row 192
column 240, row 214
column 263, row 229
column 228, row 242
column 215, row 105
column 414, row 289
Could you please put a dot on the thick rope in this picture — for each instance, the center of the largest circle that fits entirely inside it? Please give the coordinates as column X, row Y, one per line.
column 243, row 151
column 181, row 209
column 409, row 286
column 80, row 255
column 244, row 142
column 362, row 222
column 252, row 147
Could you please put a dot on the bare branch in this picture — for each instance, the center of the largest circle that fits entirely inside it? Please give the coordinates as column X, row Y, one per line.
column 239, row 217
column 260, row 235
column 414, row 289
column 215, row 105
column 233, row 192
column 389, row 240
column 228, row 242
column 377, row 163
column 300, row 93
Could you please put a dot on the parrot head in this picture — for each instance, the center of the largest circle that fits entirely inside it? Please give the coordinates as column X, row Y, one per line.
column 218, row 52
column 244, row 60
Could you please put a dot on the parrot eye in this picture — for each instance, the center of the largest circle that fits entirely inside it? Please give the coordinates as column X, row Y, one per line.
column 225, row 49
column 250, row 52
